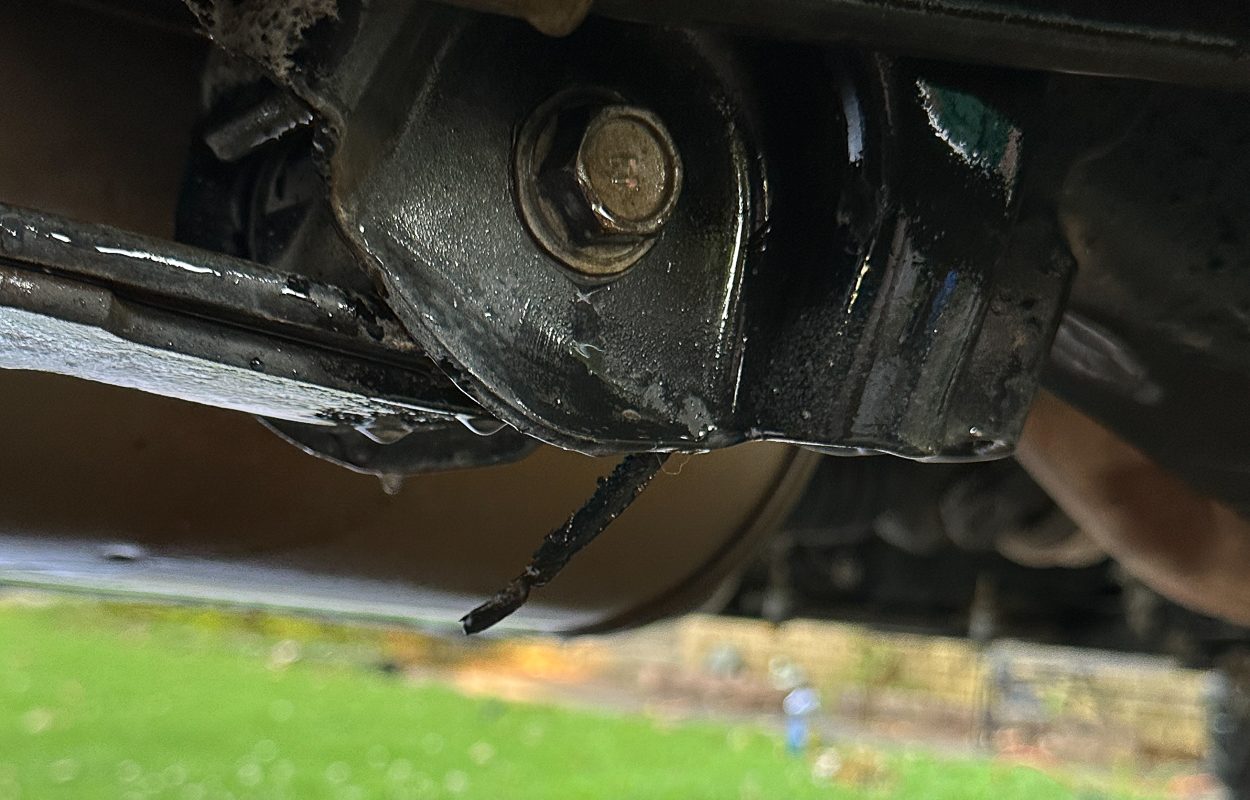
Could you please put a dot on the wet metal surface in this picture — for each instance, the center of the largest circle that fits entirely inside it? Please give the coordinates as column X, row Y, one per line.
column 431, row 447
column 97, row 303
column 600, row 367
column 847, row 265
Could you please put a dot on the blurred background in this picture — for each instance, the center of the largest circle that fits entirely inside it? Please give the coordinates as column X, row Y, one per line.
column 127, row 699
column 872, row 613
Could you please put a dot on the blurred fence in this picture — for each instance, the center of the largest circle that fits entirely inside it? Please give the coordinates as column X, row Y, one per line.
column 1067, row 703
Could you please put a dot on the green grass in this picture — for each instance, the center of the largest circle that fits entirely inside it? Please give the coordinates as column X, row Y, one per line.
column 188, row 705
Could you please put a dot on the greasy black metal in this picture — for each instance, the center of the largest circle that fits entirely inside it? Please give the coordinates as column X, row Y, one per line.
column 1157, row 342
column 1200, row 43
column 614, row 495
column 269, row 206
column 433, row 447
column 215, row 285
column 598, row 367
column 917, row 322
column 851, row 263
column 206, row 327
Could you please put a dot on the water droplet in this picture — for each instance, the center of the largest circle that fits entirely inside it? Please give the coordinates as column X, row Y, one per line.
column 480, row 425
column 386, row 429
column 392, row 484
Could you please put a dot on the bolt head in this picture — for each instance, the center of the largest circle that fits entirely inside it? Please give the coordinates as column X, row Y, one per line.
column 596, row 180
column 628, row 170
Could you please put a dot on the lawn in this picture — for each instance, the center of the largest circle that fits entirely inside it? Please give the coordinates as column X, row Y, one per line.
column 97, row 702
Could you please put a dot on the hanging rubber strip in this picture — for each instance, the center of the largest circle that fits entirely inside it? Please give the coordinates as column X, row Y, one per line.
column 614, row 495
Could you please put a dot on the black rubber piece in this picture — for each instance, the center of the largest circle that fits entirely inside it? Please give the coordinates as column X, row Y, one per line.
column 614, row 495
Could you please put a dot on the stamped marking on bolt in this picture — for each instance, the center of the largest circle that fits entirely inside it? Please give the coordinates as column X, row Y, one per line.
column 626, row 167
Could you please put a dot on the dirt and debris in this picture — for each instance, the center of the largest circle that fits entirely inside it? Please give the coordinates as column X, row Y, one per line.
column 268, row 31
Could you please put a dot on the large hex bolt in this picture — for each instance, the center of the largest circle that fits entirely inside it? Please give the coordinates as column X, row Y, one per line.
column 629, row 171
column 596, row 182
